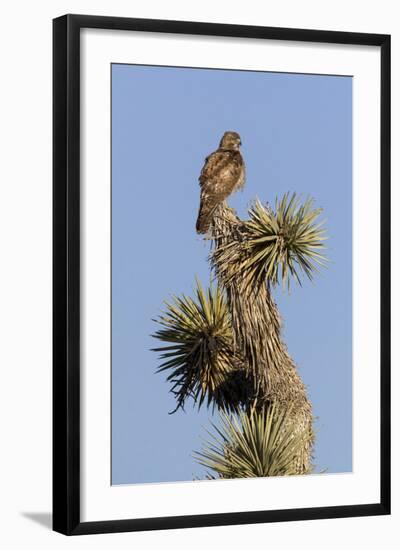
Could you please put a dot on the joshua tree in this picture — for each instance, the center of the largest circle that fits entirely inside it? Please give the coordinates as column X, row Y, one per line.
column 224, row 347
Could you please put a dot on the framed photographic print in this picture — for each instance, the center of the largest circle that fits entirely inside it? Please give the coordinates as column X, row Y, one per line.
column 221, row 274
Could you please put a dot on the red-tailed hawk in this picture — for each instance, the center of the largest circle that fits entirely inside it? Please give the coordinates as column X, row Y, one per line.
column 223, row 173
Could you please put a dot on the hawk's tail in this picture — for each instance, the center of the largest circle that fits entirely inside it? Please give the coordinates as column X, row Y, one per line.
column 205, row 217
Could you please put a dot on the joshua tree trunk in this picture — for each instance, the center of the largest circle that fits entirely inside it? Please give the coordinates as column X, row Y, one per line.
column 256, row 327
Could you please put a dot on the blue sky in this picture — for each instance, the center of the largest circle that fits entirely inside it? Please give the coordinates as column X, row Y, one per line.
column 297, row 136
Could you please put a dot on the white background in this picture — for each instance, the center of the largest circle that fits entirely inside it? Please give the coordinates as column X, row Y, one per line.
column 25, row 302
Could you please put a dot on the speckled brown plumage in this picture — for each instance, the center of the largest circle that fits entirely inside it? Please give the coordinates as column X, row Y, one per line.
column 222, row 174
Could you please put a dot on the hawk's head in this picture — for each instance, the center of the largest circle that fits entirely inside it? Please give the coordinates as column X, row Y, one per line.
column 230, row 140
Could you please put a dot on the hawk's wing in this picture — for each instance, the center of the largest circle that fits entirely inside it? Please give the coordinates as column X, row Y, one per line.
column 222, row 173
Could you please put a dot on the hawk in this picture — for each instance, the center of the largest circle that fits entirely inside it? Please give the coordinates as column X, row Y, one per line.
column 222, row 174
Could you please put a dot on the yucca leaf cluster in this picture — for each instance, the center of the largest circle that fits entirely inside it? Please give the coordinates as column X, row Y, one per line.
column 255, row 444
column 199, row 356
column 285, row 242
column 274, row 246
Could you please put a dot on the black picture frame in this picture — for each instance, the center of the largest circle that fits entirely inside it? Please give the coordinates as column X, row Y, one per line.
column 66, row 273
